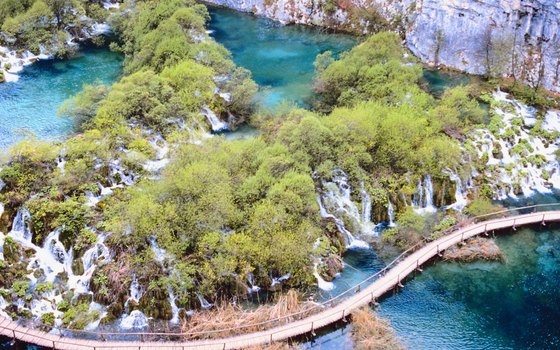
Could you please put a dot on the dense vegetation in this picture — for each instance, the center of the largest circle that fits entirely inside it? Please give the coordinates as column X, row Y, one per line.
column 47, row 24
column 223, row 210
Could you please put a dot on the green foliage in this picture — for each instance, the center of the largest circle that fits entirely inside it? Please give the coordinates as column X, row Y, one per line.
column 48, row 319
column 481, row 206
column 373, row 71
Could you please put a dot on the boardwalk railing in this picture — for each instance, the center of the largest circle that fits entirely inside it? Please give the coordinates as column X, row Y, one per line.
column 330, row 311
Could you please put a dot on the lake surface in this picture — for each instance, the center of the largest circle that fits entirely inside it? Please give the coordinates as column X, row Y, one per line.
column 280, row 57
column 30, row 105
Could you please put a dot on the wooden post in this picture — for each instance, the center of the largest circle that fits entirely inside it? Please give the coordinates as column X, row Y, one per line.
column 313, row 329
column 543, row 222
column 486, row 230
column 514, row 228
column 54, row 345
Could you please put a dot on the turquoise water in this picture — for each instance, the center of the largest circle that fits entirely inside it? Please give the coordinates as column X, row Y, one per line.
column 482, row 305
column 29, row 106
column 280, row 57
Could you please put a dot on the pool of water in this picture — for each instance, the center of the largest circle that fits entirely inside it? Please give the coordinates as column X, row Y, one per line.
column 30, row 105
column 481, row 305
column 280, row 57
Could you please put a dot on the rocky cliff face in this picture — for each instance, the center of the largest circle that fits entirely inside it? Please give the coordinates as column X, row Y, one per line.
column 506, row 37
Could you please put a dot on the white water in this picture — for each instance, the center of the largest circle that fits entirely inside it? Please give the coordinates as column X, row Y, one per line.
column 423, row 199
column 461, row 200
column 278, row 280
column 174, row 307
column 511, row 176
column 52, row 259
column 391, row 213
column 135, row 321
column 253, row 288
column 203, row 302
column 324, row 285
column 215, row 122
column 336, row 203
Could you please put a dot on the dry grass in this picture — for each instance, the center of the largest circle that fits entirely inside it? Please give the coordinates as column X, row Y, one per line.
column 373, row 333
column 231, row 317
column 474, row 249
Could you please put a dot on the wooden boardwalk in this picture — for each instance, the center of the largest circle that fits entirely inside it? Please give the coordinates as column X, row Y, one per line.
column 379, row 287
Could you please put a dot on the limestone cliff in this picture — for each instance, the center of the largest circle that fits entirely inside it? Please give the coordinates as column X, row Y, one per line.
column 475, row 36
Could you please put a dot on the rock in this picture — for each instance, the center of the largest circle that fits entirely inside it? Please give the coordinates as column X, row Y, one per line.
column 459, row 31
column 331, row 267
column 474, row 249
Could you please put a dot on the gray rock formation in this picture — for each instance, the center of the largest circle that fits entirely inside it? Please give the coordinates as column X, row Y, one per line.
column 503, row 37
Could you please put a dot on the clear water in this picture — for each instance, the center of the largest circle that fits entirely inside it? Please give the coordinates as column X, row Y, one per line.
column 438, row 81
column 30, row 105
column 280, row 57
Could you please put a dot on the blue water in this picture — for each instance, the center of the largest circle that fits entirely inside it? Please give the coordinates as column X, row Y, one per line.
column 30, row 105
column 280, row 57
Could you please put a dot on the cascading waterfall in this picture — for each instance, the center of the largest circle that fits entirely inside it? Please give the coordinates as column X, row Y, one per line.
column 324, row 285
column 253, row 286
column 351, row 241
column 53, row 259
column 391, row 213
column 423, row 199
column 336, row 198
column 203, row 302
column 174, row 307
column 161, row 159
column 278, row 280
column 215, row 122
column 461, row 200
column 160, row 253
column 526, row 162
column 136, row 320
column 20, row 227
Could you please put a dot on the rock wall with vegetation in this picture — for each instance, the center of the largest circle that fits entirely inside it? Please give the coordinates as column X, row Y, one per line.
column 517, row 39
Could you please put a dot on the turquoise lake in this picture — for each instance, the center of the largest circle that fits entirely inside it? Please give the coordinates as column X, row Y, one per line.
column 30, row 105
column 280, row 57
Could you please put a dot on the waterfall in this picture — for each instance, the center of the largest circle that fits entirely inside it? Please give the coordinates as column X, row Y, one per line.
column 423, row 199
column 351, row 241
column 2, row 238
column 337, row 198
column 135, row 291
column 460, row 197
column 391, row 213
column 528, row 160
column 61, row 164
column 203, row 302
column 161, row 159
column 20, row 227
column 160, row 253
column 429, row 188
column 174, row 307
column 136, row 320
column 93, row 254
column 324, row 285
column 215, row 122
column 254, row 288
column 366, row 205
column 278, row 280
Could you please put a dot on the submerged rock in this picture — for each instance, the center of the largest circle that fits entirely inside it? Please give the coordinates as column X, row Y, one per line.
column 474, row 249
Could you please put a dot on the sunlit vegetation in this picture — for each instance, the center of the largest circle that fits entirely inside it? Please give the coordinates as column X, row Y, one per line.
column 223, row 210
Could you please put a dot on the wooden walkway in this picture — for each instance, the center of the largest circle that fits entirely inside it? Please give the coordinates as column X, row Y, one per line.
column 385, row 283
